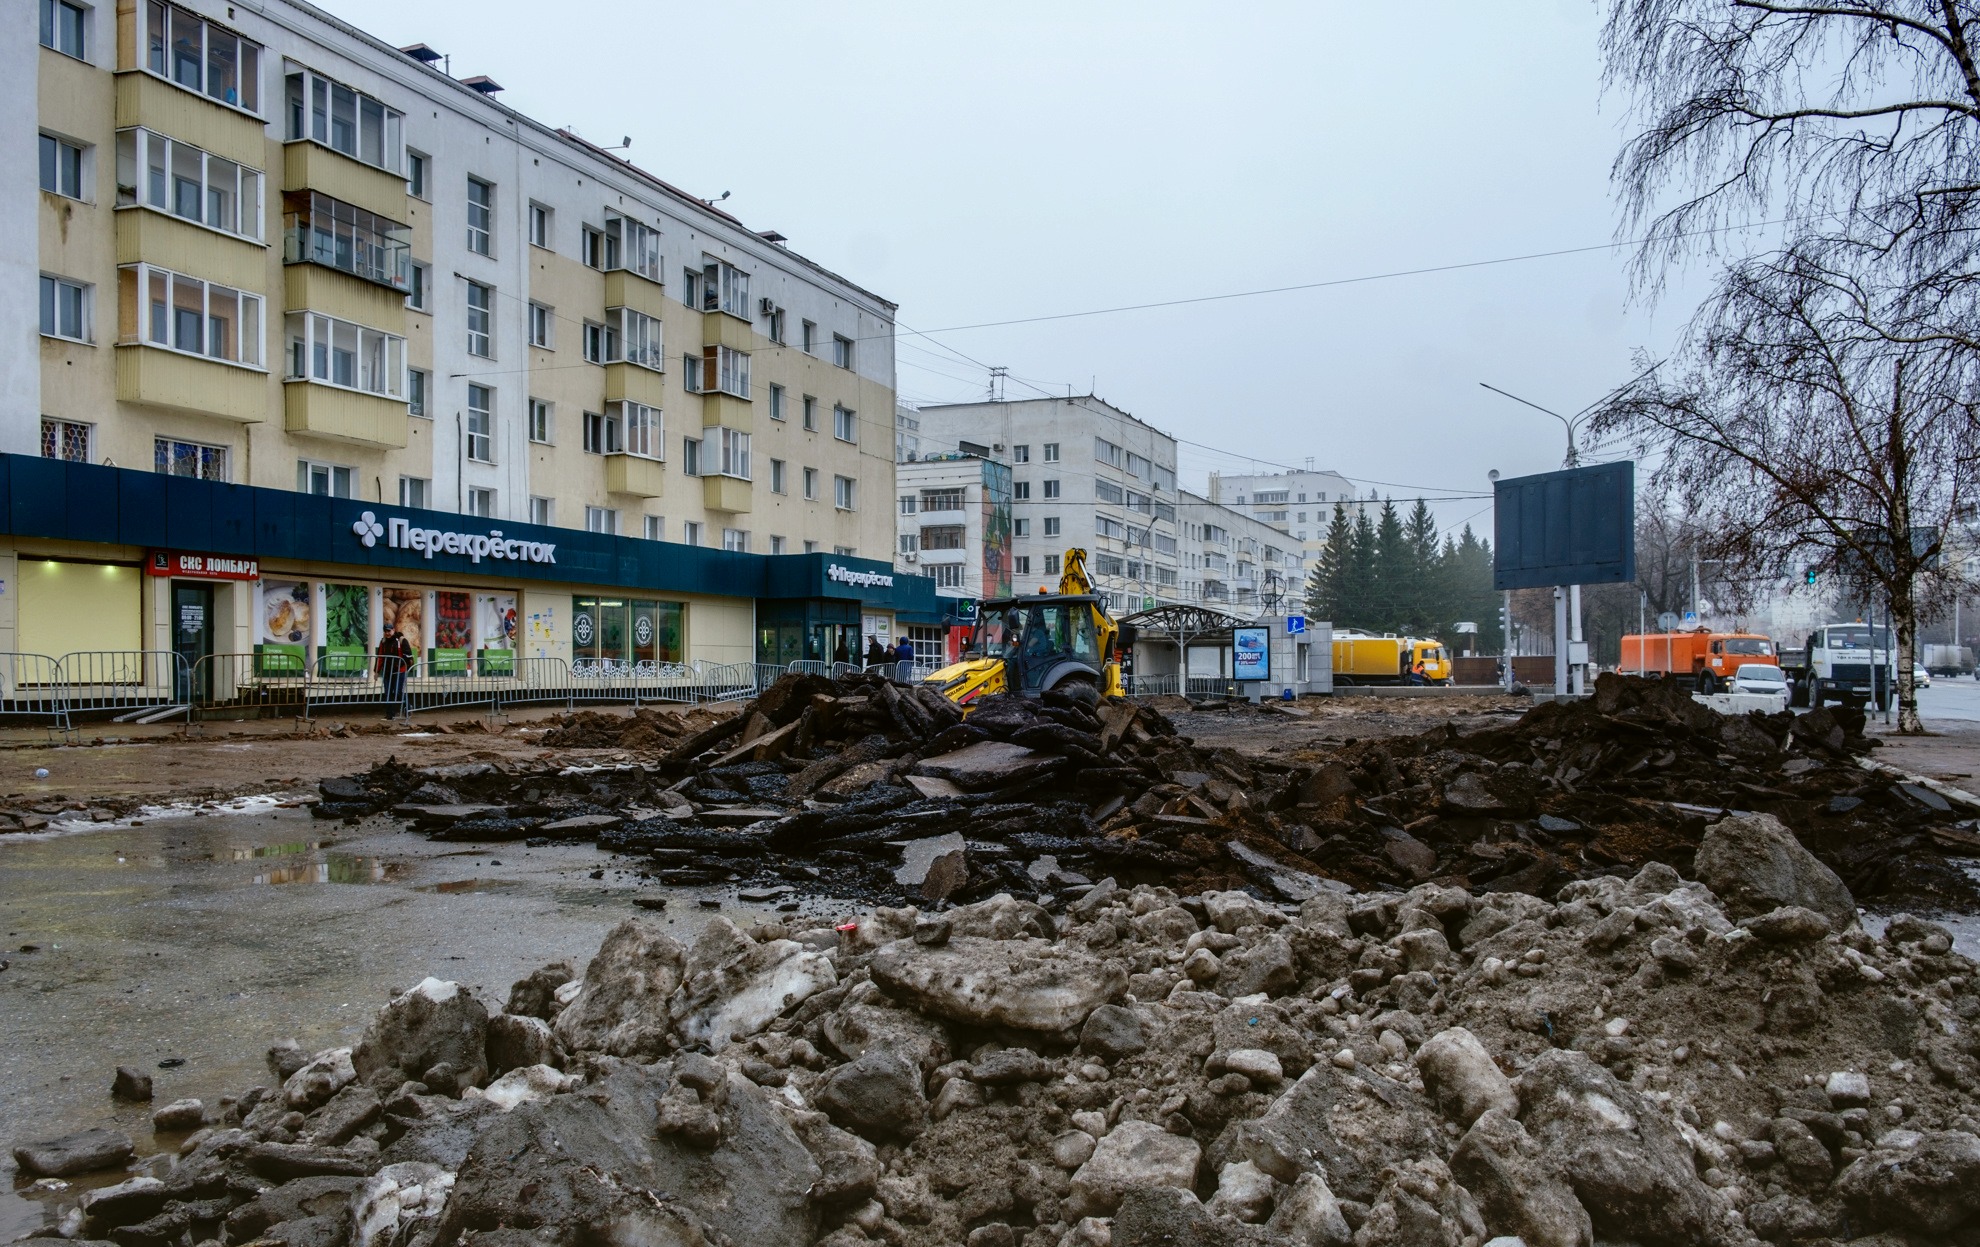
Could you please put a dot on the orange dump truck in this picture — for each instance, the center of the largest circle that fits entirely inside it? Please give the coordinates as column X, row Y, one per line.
column 1708, row 658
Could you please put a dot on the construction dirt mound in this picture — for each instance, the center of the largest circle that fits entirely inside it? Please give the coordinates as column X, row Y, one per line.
column 1627, row 1062
column 866, row 789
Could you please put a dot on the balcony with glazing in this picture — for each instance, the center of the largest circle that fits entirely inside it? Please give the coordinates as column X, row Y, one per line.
column 317, row 229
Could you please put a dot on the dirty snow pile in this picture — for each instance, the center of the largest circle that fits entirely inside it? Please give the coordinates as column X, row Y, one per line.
column 1645, row 1060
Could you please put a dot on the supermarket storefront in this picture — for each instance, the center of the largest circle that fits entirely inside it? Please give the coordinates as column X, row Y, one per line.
column 110, row 560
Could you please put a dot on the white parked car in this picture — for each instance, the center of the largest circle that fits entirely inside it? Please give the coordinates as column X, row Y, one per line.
column 1763, row 678
column 1919, row 676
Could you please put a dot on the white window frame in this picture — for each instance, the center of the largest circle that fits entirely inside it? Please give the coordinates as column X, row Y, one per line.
column 542, row 422
column 810, row 413
column 419, row 293
column 656, row 528
column 339, row 480
column 1051, row 452
column 419, row 175
column 634, row 338
column 55, row 32
column 642, row 430
column 718, row 370
column 1051, row 489
column 69, row 157
column 947, row 575
column 778, row 472
column 419, row 393
column 481, row 216
column 725, row 289
column 735, row 540
column 811, row 484
column 142, row 279
column 211, row 462
column 845, row 423
column 691, row 533
column 776, row 544
column 845, row 493
column 1020, row 528
column 541, row 316
column 1021, row 453
column 484, row 315
column 480, row 445
column 542, row 510
column 378, row 360
column 539, row 225
column 416, row 492
column 1051, row 526
column 602, row 435
column 481, row 502
column 808, row 337
column 601, row 520
column 725, row 452
column 152, row 170
column 630, row 245
column 60, row 294
column 842, row 351
column 778, row 397
column 157, row 55
column 56, row 435
column 315, row 102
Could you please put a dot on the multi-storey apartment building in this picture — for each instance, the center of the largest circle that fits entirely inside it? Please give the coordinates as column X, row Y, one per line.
column 954, row 523
column 1237, row 563
column 1298, row 503
column 1083, row 473
column 274, row 251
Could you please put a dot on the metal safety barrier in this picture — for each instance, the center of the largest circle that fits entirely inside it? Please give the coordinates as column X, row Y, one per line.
column 730, row 681
column 808, row 666
column 1151, row 685
column 131, row 686
column 31, row 687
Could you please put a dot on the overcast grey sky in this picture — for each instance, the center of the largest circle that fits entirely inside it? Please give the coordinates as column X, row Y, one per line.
column 1024, row 159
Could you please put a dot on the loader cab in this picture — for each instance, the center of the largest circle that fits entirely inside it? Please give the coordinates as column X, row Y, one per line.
column 1043, row 641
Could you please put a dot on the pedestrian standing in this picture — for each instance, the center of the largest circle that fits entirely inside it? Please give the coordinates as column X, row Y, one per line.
column 876, row 653
column 394, row 659
column 904, row 655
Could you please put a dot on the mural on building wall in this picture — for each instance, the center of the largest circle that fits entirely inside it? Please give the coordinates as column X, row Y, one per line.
column 996, row 530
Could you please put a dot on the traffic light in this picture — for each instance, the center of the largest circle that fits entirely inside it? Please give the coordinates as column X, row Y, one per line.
column 1810, row 574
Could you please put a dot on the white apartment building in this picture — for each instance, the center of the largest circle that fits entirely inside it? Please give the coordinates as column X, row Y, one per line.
column 1083, row 473
column 274, row 250
column 1236, row 563
column 1300, row 504
column 953, row 523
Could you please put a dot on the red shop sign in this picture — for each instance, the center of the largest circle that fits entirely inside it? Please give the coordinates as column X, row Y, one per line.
column 201, row 566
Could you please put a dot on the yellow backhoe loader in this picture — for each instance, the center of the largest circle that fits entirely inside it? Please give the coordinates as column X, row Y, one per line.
column 1062, row 641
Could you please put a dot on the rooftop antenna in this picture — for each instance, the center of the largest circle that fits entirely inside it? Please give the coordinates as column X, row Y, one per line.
column 997, row 375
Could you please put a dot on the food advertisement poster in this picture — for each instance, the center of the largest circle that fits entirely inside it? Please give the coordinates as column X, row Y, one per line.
column 346, row 629
column 1251, row 653
column 495, row 633
column 453, row 632
column 405, row 609
column 284, row 614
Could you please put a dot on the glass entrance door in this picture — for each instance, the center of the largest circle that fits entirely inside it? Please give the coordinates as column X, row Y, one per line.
column 192, row 638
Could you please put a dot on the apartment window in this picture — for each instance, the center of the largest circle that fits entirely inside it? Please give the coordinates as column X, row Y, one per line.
column 777, row 476
column 602, row 435
column 776, row 402
column 843, row 492
column 63, row 26
column 1021, row 454
column 638, row 338
column 1051, row 526
column 539, row 325
column 481, row 502
column 776, row 545
column 1051, row 489
column 735, row 540
column 728, row 453
column 718, row 369
column 422, row 281
column 346, row 121
column 591, row 247
column 64, row 309
column 174, row 458
column 601, row 520
column 941, row 500
column 1021, row 491
column 718, row 287
column 644, row 434
column 908, row 502
column 810, row 414
column 910, row 543
column 809, row 337
column 1138, row 466
column 811, row 483
column 540, row 414
column 691, row 456
column 1102, row 526
column 539, row 226
column 327, row 480
column 947, row 537
column 418, row 382
column 61, row 167
column 1106, row 452
column 1103, row 491
column 480, row 424
column 1140, row 502
column 1051, row 452
column 656, row 528
column 1051, row 565
column 774, row 330
column 842, row 351
column 627, row 244
column 164, row 174
column 317, row 229
column 947, row 575
column 691, row 533
column 600, row 347
column 1021, row 564
column 811, row 547
column 415, row 491
column 481, row 320
column 480, row 216
column 845, row 552
column 845, row 424
column 416, row 174
column 1020, row 528
column 181, row 47
column 337, row 352
column 542, row 510
column 65, row 440
column 197, row 317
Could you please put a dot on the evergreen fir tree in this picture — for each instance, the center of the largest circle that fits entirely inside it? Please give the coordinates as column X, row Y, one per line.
column 1392, row 563
column 1358, row 605
column 1327, row 588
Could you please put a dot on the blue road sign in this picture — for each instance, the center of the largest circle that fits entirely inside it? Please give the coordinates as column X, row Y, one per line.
column 1295, row 625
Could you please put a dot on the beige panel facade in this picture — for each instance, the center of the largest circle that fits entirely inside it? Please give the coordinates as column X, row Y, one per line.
column 345, row 415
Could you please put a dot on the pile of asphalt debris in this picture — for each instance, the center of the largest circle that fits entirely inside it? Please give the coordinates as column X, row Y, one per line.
column 863, row 788
column 1722, row 1061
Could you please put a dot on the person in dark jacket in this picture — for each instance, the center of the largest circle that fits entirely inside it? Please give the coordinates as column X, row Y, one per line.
column 840, row 653
column 876, row 653
column 904, row 652
column 394, row 660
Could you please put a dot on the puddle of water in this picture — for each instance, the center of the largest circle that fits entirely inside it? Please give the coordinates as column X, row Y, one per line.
column 470, row 885
column 250, row 853
column 335, row 868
